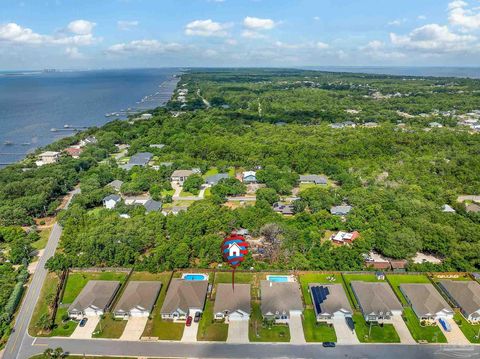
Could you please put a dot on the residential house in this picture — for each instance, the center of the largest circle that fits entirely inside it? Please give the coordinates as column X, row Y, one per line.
column 377, row 300
column 180, row 176
column 249, row 177
column 399, row 265
column 329, row 302
column 285, row 209
column 472, row 208
column 159, row 146
column 74, row 151
column 466, row 296
column 213, row 180
column 140, row 159
column 116, row 185
column 447, row 209
column 344, row 237
column 152, row 206
column 426, row 301
column 280, row 300
column 435, row 125
column 48, row 157
column 315, row 179
column 337, row 125
column 232, row 304
column 111, row 201
column 184, row 298
column 94, row 299
column 370, row 124
column 342, row 210
column 137, row 299
column 90, row 140
column 380, row 275
column 146, row 116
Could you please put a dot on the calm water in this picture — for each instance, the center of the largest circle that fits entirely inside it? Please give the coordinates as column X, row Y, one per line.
column 31, row 104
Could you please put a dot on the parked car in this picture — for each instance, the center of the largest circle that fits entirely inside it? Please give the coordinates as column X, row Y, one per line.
column 189, row 321
column 198, row 315
column 83, row 322
column 328, row 344
column 445, row 325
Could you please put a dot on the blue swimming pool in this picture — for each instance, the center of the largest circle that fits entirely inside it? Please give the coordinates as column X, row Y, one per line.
column 279, row 278
column 195, row 277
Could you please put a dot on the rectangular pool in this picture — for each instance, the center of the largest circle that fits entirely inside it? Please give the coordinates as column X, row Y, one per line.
column 280, row 278
column 195, row 276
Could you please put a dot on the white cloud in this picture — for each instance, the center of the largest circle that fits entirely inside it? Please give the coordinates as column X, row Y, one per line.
column 421, row 17
column 397, row 22
column 206, row 28
column 255, row 23
column 378, row 50
column 74, row 53
column 305, row 45
column 231, row 41
column 127, row 25
column 322, row 45
column 12, row 32
column 81, row 27
column 249, row 34
column 144, row 46
column 433, row 38
column 460, row 15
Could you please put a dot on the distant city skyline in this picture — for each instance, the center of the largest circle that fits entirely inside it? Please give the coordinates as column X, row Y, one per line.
column 282, row 33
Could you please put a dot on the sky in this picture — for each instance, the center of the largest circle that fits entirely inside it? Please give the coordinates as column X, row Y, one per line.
column 87, row 34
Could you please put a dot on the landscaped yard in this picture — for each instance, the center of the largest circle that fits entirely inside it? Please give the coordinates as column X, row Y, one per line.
column 317, row 332
column 397, row 279
column 260, row 332
column 109, row 327
column 471, row 332
column 63, row 329
column 209, row 329
column 210, row 172
column 431, row 334
column 47, row 295
column 385, row 333
column 226, row 277
column 307, row 278
column 77, row 280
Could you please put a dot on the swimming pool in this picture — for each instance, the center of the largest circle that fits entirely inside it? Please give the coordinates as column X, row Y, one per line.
column 280, row 278
column 195, row 276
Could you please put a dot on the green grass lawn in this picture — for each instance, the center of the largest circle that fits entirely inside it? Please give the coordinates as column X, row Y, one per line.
column 231, row 171
column 397, row 279
column 42, row 242
column 226, row 277
column 165, row 192
column 156, row 327
column 208, row 192
column 260, row 332
column 109, row 327
column 470, row 331
column 187, row 194
column 47, row 294
column 63, row 329
column 77, row 280
column 317, row 332
column 431, row 334
column 208, row 328
column 348, row 278
column 378, row 334
column 323, row 278
column 212, row 171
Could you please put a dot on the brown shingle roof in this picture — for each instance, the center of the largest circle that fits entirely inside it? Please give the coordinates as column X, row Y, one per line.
column 227, row 299
column 139, row 295
column 185, row 294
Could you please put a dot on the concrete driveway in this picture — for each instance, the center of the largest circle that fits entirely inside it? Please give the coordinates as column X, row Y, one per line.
column 455, row 336
column 296, row 329
column 86, row 331
column 402, row 330
column 134, row 328
column 238, row 331
column 190, row 333
column 344, row 334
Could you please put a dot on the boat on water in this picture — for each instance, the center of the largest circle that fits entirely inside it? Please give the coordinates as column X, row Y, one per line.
column 26, row 144
column 8, row 143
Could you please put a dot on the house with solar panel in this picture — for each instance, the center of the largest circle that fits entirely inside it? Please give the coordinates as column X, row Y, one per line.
column 329, row 302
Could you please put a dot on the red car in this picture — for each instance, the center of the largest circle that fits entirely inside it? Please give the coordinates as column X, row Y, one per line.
column 189, row 321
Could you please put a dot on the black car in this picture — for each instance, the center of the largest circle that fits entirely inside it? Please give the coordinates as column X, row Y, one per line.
column 198, row 315
column 83, row 322
column 328, row 344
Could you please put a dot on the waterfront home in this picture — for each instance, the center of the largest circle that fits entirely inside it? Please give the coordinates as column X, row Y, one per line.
column 329, row 302
column 376, row 300
column 315, row 179
column 138, row 299
column 140, row 159
column 466, row 296
column 344, row 237
column 280, row 300
column 180, row 176
column 90, row 140
column 249, row 177
column 111, row 201
column 48, row 157
column 116, row 185
column 342, row 210
column 94, row 299
column 426, row 301
column 214, row 179
column 146, row 116
column 232, row 304
column 184, row 298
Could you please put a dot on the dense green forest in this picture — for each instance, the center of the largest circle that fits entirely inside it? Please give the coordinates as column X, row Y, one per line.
column 396, row 178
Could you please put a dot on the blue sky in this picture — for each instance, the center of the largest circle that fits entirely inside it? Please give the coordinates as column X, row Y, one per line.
column 36, row 34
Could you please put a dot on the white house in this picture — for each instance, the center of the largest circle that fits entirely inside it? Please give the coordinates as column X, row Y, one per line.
column 48, row 157
column 184, row 297
column 94, row 299
column 111, row 201
column 230, row 304
column 138, row 299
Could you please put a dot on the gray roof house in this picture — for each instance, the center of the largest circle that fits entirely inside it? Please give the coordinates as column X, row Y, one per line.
column 426, row 301
column 285, row 209
column 230, row 304
column 94, row 299
column 280, row 300
column 213, row 180
column 184, row 297
column 316, row 179
column 340, row 210
column 465, row 295
column 140, row 159
column 376, row 300
column 329, row 301
column 152, row 206
column 111, row 201
column 116, row 185
column 138, row 299
column 181, row 176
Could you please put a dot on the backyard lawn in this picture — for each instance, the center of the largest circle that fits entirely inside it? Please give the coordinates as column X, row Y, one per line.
column 471, row 332
column 209, row 329
column 397, row 279
column 77, row 280
column 317, row 332
column 378, row 334
column 348, row 278
column 109, row 327
column 210, row 172
column 226, row 277
column 260, row 332
column 431, row 334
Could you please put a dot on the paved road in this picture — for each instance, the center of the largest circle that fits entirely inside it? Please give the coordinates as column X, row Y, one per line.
column 20, row 338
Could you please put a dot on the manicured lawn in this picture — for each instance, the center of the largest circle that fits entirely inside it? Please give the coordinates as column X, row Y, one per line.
column 42, row 242
column 226, row 277
column 304, row 186
column 47, row 294
column 260, row 332
column 210, row 172
column 187, row 194
column 378, row 334
column 470, row 331
column 431, row 334
column 231, row 172
column 156, row 327
column 63, row 329
column 209, row 329
column 348, row 278
column 323, row 278
column 77, row 280
column 165, row 192
column 317, row 332
column 397, row 279
column 208, row 192
column 109, row 327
